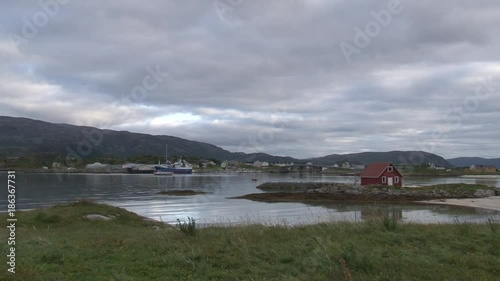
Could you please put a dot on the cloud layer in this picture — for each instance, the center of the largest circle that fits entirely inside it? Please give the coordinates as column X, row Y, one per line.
column 268, row 76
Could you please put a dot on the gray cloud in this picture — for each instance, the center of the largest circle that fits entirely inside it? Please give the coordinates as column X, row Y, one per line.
column 271, row 78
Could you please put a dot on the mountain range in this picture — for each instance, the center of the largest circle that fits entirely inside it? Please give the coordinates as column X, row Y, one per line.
column 468, row 161
column 22, row 136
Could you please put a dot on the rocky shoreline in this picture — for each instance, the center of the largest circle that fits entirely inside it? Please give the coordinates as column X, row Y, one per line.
column 320, row 191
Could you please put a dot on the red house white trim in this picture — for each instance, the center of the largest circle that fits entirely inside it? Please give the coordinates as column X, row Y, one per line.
column 383, row 173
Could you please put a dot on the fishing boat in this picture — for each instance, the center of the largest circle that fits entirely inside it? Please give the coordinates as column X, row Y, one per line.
column 180, row 167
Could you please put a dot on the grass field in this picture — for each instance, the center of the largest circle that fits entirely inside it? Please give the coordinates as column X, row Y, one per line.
column 60, row 244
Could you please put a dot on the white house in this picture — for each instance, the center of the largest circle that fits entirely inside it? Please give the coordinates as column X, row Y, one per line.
column 358, row 167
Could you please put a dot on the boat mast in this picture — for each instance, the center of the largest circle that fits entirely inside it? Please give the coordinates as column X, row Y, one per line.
column 166, row 154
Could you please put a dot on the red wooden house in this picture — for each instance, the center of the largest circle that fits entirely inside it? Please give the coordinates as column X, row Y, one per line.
column 381, row 174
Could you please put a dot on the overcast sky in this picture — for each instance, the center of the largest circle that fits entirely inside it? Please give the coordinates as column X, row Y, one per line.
column 303, row 78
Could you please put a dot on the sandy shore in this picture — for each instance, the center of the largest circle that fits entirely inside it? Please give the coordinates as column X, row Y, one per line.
column 492, row 203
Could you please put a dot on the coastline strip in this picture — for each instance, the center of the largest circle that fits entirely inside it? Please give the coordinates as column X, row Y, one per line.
column 491, row 203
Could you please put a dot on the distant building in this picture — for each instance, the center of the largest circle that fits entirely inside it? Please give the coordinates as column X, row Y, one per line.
column 346, row 165
column 281, row 164
column 434, row 167
column 483, row 169
column 383, row 173
column 359, row 167
column 206, row 163
column 97, row 167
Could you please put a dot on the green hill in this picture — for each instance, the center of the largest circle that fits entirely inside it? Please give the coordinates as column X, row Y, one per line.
column 21, row 137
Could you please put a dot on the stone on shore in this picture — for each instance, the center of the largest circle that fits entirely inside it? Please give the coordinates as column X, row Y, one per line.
column 481, row 193
column 97, row 217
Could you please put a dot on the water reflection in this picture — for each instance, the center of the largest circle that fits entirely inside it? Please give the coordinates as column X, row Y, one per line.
column 140, row 194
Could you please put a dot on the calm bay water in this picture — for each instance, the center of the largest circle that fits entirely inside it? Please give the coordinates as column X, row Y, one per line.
column 140, row 194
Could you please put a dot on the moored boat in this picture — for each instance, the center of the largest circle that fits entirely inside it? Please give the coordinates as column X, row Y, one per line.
column 176, row 168
column 180, row 167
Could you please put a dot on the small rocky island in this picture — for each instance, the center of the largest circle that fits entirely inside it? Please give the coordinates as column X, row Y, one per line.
column 323, row 191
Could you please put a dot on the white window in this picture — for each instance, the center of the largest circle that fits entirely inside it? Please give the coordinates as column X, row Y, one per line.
column 390, row 169
column 384, row 179
column 396, row 179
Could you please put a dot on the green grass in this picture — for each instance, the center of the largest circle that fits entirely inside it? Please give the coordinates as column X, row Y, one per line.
column 59, row 244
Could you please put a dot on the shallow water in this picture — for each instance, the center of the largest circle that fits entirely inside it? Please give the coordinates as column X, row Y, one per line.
column 139, row 194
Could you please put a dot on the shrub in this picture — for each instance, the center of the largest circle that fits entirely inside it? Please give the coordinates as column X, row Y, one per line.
column 390, row 222
column 463, row 228
column 493, row 224
column 44, row 218
column 188, row 228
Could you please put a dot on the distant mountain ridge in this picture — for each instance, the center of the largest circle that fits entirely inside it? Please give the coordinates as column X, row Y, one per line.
column 396, row 157
column 468, row 161
column 21, row 136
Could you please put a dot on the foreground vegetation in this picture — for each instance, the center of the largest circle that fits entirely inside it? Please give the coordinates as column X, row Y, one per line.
column 60, row 244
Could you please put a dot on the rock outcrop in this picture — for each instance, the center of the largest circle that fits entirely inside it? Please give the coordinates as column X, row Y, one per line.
column 338, row 191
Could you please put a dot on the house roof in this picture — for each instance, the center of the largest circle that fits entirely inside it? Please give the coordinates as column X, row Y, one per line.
column 374, row 170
